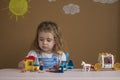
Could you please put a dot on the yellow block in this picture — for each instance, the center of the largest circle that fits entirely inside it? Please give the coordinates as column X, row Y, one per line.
column 29, row 64
column 36, row 68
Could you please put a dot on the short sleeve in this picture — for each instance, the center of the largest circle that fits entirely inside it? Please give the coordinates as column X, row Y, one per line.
column 32, row 53
column 63, row 57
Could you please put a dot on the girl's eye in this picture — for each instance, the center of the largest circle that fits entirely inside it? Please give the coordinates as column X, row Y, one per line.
column 41, row 39
column 49, row 40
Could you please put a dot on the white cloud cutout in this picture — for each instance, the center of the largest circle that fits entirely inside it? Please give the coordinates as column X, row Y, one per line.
column 71, row 9
column 51, row 0
column 106, row 1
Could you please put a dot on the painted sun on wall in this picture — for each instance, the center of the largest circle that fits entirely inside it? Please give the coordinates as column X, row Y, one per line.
column 18, row 7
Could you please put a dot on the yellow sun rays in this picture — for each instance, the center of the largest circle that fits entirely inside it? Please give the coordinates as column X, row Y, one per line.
column 18, row 8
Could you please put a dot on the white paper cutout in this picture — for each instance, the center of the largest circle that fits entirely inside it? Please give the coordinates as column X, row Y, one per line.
column 71, row 9
column 51, row 0
column 106, row 1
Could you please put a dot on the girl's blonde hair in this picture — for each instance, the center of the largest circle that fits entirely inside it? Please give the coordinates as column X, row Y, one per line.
column 49, row 26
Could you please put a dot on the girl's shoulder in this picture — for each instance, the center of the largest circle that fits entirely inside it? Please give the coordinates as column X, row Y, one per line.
column 60, row 52
column 33, row 53
column 62, row 55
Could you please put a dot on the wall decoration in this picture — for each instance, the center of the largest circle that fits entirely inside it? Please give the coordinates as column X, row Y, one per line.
column 71, row 9
column 18, row 7
column 51, row 0
column 106, row 1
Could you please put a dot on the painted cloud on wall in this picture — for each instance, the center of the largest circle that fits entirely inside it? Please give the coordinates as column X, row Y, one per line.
column 51, row 0
column 106, row 1
column 71, row 9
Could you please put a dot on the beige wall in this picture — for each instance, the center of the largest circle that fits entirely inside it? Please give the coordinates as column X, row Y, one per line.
column 95, row 29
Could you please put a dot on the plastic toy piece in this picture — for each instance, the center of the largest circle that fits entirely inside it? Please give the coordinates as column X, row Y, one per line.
column 97, row 66
column 67, row 56
column 106, row 60
column 31, row 64
column 35, row 67
column 64, row 65
column 86, row 67
column 117, row 66
column 29, row 61
column 61, row 70
column 70, row 65
column 61, row 62
column 41, row 67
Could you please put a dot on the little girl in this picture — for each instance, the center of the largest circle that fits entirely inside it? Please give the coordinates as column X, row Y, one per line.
column 48, row 45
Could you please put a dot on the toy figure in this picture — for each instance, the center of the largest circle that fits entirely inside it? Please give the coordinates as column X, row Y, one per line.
column 70, row 65
column 86, row 67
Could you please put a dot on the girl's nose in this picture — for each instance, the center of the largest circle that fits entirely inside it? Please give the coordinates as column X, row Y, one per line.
column 44, row 42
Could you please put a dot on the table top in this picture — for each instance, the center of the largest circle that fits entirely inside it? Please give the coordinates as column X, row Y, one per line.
column 75, row 74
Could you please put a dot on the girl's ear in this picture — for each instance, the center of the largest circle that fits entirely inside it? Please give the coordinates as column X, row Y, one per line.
column 56, row 43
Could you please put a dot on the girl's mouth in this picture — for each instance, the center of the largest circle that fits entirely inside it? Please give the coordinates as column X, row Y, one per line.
column 45, row 47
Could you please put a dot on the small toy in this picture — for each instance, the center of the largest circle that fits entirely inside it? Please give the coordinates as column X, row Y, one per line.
column 70, row 65
column 31, row 63
column 35, row 67
column 86, row 67
column 67, row 56
column 62, row 65
column 41, row 67
column 61, row 69
column 106, row 60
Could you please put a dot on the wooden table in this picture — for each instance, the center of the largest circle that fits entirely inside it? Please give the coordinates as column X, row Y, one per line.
column 75, row 74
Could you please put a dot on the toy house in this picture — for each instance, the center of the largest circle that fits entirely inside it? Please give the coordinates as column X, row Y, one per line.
column 30, row 63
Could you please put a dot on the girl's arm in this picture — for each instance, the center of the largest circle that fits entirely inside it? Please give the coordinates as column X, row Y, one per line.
column 61, row 56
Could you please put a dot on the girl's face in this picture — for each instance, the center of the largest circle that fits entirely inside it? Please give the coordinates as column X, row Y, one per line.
column 46, row 41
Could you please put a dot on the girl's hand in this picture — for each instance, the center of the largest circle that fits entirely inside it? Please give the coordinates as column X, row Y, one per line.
column 21, row 64
column 60, row 53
